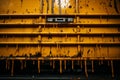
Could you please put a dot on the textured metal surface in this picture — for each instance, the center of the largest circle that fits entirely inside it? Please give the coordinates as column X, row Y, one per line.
column 81, row 30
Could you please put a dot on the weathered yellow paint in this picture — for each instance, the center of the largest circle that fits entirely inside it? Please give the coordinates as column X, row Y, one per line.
column 81, row 7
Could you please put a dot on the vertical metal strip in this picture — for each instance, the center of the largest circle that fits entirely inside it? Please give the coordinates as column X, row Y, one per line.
column 72, row 64
column 38, row 66
column 65, row 64
column 53, row 64
column 60, row 66
column 21, row 64
column 108, row 63
column 6, row 64
column 86, row 69
column 12, row 68
column 81, row 64
column 112, row 69
column 78, row 62
column 92, row 66
column 50, row 63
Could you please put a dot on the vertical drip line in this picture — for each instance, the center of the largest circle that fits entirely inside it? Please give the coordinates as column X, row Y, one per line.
column 57, row 49
column 21, row 3
column 40, row 21
column 75, row 6
column 52, row 8
column 115, row 6
column 85, row 6
column 78, row 5
column 47, row 5
column 59, row 2
column 95, row 51
column 65, row 7
column 16, row 50
column 41, row 6
column 108, row 52
column 40, row 28
column 100, row 19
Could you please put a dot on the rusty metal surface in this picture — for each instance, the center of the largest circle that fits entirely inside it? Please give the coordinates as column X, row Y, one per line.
column 60, row 30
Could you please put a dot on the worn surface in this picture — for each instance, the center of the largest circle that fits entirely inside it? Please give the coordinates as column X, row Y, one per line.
column 80, row 29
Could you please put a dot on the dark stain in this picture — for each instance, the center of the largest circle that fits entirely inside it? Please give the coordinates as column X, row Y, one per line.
column 70, row 6
column 115, row 6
